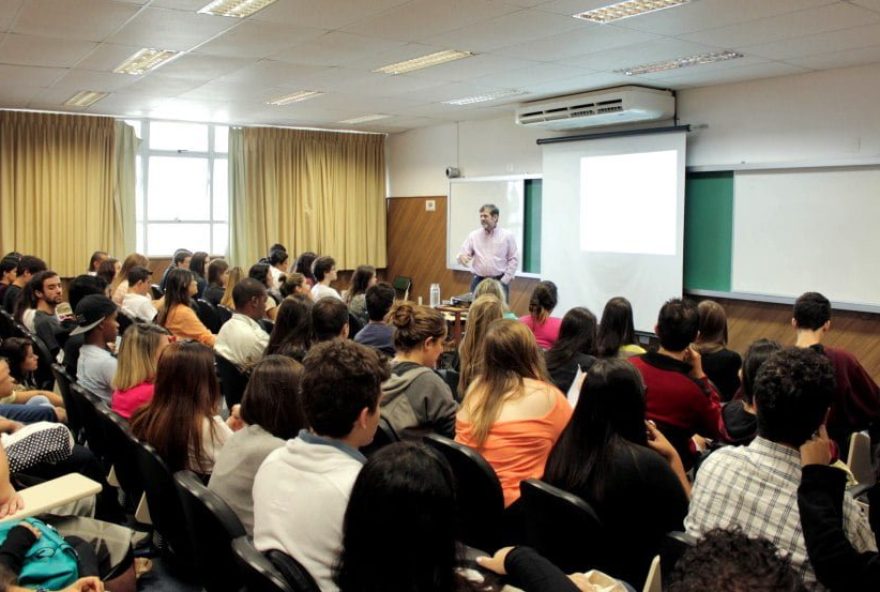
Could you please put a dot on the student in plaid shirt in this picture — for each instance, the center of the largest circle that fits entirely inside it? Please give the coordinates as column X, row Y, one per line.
column 755, row 487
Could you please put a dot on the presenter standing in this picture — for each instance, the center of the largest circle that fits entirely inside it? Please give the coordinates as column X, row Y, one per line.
column 490, row 251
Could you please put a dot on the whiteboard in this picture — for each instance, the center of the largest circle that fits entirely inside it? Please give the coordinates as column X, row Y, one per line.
column 466, row 196
column 805, row 230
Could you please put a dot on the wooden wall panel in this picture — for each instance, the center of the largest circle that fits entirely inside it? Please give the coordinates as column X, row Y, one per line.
column 854, row 332
column 417, row 249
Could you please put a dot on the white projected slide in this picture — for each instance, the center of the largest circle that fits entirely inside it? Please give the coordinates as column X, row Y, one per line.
column 628, row 203
column 613, row 222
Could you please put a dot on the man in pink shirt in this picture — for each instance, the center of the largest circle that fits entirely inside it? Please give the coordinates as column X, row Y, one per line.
column 490, row 251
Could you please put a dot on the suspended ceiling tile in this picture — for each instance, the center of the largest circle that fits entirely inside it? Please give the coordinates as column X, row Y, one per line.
column 86, row 20
column 821, row 43
column 258, row 39
column 171, row 29
column 326, row 14
column 656, row 50
column 530, row 75
column 76, row 80
column 336, row 48
column 204, row 68
column 588, row 38
column 29, row 50
column 840, row 59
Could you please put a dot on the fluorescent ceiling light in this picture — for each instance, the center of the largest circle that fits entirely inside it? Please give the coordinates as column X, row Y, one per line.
column 296, row 97
column 238, row 8
column 145, row 60
column 364, row 119
column 85, row 98
column 426, row 61
column 697, row 60
column 626, row 9
column 485, row 98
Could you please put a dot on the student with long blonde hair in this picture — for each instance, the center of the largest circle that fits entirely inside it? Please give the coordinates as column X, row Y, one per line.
column 511, row 414
column 492, row 287
column 139, row 353
column 482, row 313
column 236, row 274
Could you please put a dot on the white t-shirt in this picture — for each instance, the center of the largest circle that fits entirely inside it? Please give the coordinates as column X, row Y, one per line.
column 321, row 291
column 241, row 340
column 95, row 370
column 140, row 306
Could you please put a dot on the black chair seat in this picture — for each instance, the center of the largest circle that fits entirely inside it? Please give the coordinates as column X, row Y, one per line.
column 44, row 377
column 208, row 315
column 293, row 572
column 74, row 418
column 156, row 291
column 562, row 527
column 257, row 572
column 213, row 526
column 384, row 436
column 7, row 324
column 223, row 313
column 90, row 408
column 479, row 495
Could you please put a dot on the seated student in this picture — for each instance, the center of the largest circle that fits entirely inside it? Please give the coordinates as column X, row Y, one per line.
column 198, row 266
column 119, row 287
column 292, row 334
column 96, row 367
column 242, row 339
column 329, row 319
column 301, row 490
column 107, row 271
column 181, row 420
column 137, row 301
column 79, row 288
column 260, row 272
column 303, row 265
column 236, row 274
column 135, row 377
column 575, row 349
column 27, row 267
column 26, row 307
column 492, row 287
column 277, row 261
column 177, row 314
column 8, row 270
column 484, row 310
column 356, row 296
column 218, row 275
column 855, row 405
column 400, row 533
column 617, row 335
column 624, row 468
column 820, row 500
column 377, row 333
column 415, row 400
column 539, row 321
column 95, row 261
column 681, row 399
column 740, row 422
column 511, row 414
column 720, row 364
column 754, row 487
column 271, row 410
column 23, row 362
column 180, row 260
column 11, row 414
column 732, row 561
column 293, row 284
column 324, row 270
column 48, row 327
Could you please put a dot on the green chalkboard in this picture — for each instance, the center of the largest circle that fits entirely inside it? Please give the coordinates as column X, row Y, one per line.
column 532, row 229
column 708, row 231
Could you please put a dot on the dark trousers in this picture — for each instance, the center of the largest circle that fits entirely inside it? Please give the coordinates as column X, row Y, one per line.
column 476, row 279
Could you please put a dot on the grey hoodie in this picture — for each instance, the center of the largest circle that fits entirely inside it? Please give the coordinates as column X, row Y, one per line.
column 416, row 401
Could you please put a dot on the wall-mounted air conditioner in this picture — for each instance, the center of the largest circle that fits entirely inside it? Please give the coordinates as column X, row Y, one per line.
column 611, row 106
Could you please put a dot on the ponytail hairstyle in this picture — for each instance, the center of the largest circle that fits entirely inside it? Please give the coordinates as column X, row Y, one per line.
column 413, row 324
column 544, row 299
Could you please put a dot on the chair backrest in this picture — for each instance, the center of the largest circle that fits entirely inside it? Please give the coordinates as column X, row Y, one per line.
column 212, row 526
column 268, row 325
column 293, row 572
column 384, row 436
column 7, row 324
column 232, row 380
column 257, row 572
column 125, row 320
column 21, row 331
column 88, row 404
column 654, row 581
column 223, row 313
column 156, row 291
column 478, row 492
column 166, row 511
column 859, row 458
column 122, row 453
column 562, row 527
column 354, row 326
column 208, row 315
column 674, row 544
column 74, row 418
column 44, row 377
column 450, row 377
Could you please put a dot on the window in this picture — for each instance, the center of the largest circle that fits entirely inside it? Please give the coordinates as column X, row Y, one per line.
column 182, row 193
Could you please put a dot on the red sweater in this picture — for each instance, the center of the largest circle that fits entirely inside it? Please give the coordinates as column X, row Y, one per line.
column 678, row 404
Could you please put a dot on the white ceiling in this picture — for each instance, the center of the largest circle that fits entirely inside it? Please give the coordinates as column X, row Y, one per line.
column 51, row 49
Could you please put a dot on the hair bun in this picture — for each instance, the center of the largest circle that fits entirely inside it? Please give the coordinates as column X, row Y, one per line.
column 402, row 315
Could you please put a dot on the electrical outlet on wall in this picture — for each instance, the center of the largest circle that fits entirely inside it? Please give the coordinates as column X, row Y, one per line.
column 430, row 205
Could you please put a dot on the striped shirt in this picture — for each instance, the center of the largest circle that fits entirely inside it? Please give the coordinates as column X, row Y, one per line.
column 494, row 253
column 754, row 488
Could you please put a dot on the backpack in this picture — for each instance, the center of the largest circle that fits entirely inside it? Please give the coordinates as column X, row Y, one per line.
column 50, row 562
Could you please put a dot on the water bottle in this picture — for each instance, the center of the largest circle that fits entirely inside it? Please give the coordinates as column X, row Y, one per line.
column 435, row 295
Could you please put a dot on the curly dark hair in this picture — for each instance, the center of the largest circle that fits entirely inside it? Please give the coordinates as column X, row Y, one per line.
column 730, row 561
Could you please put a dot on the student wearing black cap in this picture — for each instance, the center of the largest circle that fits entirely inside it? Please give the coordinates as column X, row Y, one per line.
column 96, row 319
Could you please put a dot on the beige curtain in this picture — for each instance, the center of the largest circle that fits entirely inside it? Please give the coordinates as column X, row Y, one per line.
column 125, row 185
column 57, row 175
column 309, row 190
